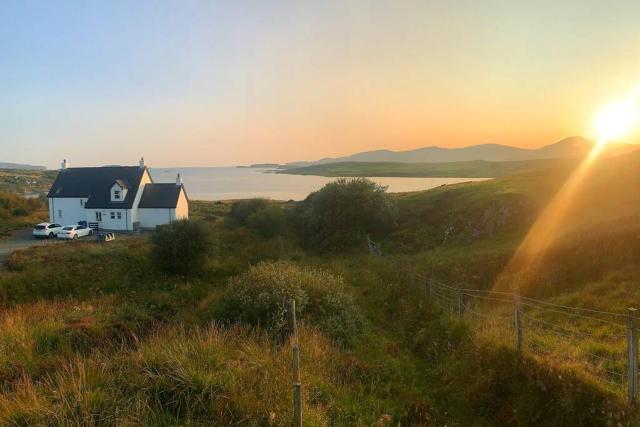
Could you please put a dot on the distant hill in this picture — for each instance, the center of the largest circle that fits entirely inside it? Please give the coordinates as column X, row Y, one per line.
column 469, row 169
column 4, row 165
column 568, row 148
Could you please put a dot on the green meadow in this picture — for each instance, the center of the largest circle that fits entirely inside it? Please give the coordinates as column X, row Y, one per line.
column 107, row 334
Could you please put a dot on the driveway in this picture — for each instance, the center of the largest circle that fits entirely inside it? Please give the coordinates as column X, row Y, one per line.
column 21, row 239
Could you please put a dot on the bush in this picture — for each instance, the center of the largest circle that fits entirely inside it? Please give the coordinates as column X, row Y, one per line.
column 268, row 221
column 182, row 247
column 261, row 297
column 243, row 209
column 340, row 214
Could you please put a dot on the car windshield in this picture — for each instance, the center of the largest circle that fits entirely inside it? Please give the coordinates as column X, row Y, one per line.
column 40, row 227
column 68, row 228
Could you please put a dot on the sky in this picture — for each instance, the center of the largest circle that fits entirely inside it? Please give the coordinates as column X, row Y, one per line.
column 206, row 83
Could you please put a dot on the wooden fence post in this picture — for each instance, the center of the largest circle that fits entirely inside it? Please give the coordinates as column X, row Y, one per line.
column 518, row 323
column 632, row 353
column 297, row 386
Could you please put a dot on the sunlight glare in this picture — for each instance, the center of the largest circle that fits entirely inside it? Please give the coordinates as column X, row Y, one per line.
column 615, row 121
column 618, row 119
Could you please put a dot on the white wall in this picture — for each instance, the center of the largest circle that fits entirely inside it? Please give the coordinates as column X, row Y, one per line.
column 182, row 209
column 72, row 210
column 151, row 217
column 146, row 179
column 110, row 224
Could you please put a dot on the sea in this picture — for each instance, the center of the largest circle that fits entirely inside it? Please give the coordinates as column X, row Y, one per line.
column 228, row 183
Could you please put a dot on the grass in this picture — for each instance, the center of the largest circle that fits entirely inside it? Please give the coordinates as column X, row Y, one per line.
column 17, row 212
column 109, row 340
column 26, row 181
column 469, row 169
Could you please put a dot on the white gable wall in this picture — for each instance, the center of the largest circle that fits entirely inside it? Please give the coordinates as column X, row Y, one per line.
column 182, row 208
column 67, row 210
column 135, row 214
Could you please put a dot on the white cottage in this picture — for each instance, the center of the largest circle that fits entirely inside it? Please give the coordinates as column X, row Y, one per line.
column 120, row 198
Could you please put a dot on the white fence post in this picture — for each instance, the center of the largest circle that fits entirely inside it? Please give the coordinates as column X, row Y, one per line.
column 632, row 353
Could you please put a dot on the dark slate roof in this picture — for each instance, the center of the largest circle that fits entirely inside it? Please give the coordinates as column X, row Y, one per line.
column 95, row 184
column 160, row 196
column 122, row 183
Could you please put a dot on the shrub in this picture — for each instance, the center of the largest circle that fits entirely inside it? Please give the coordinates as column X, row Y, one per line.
column 268, row 221
column 243, row 209
column 261, row 297
column 340, row 214
column 19, row 211
column 182, row 247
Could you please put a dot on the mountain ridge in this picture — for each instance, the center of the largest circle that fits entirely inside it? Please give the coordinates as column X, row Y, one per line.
column 567, row 148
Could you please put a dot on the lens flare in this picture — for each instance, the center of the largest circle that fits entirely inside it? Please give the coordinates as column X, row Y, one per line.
column 615, row 121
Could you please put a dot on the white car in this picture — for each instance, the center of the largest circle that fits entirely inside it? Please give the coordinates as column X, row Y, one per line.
column 72, row 232
column 46, row 230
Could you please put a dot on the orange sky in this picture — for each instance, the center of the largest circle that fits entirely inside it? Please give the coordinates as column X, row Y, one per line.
column 204, row 83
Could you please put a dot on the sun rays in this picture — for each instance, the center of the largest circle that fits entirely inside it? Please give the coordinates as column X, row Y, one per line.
column 614, row 121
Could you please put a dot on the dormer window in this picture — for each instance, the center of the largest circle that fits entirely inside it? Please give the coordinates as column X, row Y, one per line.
column 119, row 190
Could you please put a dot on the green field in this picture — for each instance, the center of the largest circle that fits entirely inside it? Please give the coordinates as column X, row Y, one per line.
column 111, row 340
column 26, row 181
column 472, row 169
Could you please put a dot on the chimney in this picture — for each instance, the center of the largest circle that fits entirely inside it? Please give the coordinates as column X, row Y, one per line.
column 178, row 180
column 141, row 164
column 64, row 165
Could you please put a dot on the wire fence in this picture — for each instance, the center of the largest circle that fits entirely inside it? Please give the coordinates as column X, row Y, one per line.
column 601, row 344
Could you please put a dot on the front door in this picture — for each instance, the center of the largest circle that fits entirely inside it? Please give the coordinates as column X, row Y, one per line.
column 99, row 216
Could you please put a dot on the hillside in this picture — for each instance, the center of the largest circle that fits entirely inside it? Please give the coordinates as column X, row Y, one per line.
column 110, row 339
column 5, row 165
column 23, row 181
column 568, row 148
column 470, row 169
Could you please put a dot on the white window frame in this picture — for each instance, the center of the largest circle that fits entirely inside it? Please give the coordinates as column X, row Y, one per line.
column 112, row 215
column 118, row 215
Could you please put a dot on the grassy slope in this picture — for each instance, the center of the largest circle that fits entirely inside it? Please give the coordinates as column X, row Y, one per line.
column 17, row 212
column 26, row 181
column 107, row 340
column 470, row 169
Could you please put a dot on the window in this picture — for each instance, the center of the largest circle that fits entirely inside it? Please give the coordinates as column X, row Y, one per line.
column 119, row 215
column 81, row 202
column 59, row 213
column 112, row 215
column 98, row 216
column 116, row 194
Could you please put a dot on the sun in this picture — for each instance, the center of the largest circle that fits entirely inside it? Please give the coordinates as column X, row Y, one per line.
column 616, row 120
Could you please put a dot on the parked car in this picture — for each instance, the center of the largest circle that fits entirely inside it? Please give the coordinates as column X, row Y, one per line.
column 74, row 231
column 46, row 230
